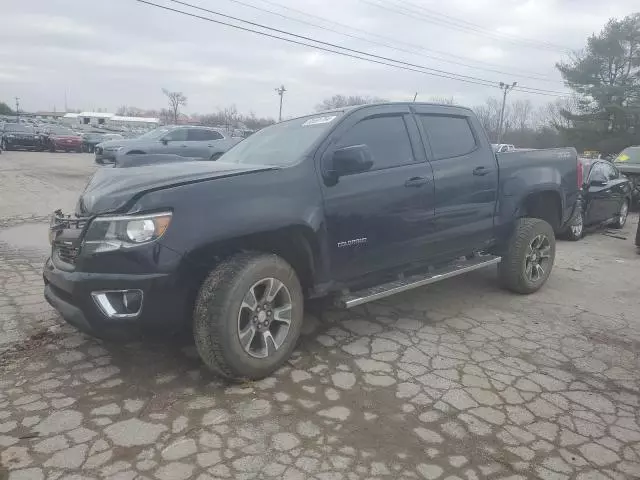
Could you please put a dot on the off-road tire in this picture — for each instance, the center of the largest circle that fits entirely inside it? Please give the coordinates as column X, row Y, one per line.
column 511, row 269
column 215, row 322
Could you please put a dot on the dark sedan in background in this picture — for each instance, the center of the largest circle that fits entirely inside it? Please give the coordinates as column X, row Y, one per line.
column 606, row 197
column 91, row 139
column 628, row 162
column 18, row 136
column 57, row 137
column 185, row 141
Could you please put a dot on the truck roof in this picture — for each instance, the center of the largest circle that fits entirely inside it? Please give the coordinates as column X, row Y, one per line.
column 366, row 105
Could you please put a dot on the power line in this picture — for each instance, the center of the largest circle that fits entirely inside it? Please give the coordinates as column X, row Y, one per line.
column 481, row 28
column 529, row 75
column 476, row 30
column 359, row 52
column 355, row 53
column 318, row 47
column 396, row 41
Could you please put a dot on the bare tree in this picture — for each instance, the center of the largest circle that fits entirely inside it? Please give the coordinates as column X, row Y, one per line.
column 176, row 100
column 341, row 101
column 443, row 100
column 230, row 117
column 521, row 114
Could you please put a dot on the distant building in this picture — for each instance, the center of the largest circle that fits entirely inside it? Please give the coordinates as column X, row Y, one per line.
column 133, row 122
column 111, row 120
column 49, row 115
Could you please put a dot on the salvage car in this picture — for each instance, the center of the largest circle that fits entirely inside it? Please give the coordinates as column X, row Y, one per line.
column 628, row 163
column 605, row 198
column 199, row 142
column 19, row 136
column 57, row 137
column 91, row 139
column 357, row 203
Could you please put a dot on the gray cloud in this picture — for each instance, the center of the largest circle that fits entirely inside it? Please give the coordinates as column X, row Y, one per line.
column 107, row 54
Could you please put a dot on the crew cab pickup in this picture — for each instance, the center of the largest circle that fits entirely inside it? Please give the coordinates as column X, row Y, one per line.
column 357, row 203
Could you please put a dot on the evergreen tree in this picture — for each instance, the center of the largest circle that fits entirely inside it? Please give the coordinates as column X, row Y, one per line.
column 606, row 78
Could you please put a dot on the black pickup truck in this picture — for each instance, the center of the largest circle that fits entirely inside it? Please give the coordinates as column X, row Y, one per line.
column 358, row 203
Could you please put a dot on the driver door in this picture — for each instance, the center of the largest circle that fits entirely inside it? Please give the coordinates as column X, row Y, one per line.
column 174, row 142
column 599, row 202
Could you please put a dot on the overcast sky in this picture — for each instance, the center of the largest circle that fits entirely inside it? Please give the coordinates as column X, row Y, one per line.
column 105, row 54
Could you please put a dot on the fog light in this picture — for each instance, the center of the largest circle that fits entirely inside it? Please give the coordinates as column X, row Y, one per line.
column 119, row 303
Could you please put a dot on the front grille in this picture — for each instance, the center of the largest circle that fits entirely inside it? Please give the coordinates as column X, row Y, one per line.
column 66, row 253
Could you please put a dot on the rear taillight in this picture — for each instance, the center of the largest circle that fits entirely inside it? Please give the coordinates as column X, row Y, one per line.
column 580, row 174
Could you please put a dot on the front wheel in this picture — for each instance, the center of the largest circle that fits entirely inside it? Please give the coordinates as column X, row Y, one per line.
column 248, row 316
column 529, row 257
column 623, row 213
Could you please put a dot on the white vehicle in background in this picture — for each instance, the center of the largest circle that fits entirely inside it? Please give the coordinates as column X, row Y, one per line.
column 503, row 147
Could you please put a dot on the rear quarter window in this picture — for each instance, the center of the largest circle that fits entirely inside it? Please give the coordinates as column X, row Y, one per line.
column 449, row 136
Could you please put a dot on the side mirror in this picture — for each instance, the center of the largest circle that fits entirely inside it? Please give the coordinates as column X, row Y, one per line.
column 351, row 160
column 597, row 182
column 164, row 141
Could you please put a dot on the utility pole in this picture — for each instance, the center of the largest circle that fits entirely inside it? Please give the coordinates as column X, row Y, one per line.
column 280, row 91
column 17, row 109
column 505, row 88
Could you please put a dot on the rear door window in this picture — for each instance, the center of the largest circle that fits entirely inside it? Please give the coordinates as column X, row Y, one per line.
column 203, row 135
column 449, row 136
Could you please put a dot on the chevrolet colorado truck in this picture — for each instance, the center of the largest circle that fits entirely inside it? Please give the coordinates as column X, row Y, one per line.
column 358, row 204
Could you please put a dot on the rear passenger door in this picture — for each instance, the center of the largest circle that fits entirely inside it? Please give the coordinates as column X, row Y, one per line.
column 465, row 173
column 382, row 217
column 201, row 142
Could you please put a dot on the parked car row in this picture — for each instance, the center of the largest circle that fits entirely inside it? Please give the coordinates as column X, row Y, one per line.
column 185, row 141
column 21, row 136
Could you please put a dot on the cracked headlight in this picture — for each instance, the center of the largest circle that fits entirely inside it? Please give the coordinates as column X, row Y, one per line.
column 107, row 234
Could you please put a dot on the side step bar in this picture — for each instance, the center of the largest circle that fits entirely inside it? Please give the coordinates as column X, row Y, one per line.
column 354, row 299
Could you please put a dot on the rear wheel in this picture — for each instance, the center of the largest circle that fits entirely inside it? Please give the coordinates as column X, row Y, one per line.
column 623, row 213
column 529, row 257
column 248, row 316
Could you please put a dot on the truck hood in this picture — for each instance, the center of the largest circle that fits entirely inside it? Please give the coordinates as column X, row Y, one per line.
column 110, row 189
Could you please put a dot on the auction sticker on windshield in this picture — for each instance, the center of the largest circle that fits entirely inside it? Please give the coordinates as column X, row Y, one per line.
column 622, row 158
column 319, row 120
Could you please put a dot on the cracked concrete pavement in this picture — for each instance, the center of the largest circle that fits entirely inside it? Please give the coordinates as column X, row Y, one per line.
column 459, row 380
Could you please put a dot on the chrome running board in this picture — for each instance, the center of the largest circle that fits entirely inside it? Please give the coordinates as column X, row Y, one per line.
column 353, row 299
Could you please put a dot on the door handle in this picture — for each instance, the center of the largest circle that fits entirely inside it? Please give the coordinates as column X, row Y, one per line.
column 416, row 182
column 481, row 171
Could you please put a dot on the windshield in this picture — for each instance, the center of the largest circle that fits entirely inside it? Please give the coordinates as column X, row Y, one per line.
column 283, row 143
column 155, row 134
column 61, row 131
column 629, row 155
column 17, row 127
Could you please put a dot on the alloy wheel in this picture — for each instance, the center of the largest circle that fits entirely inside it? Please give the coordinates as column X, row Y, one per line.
column 264, row 317
column 577, row 227
column 624, row 213
column 538, row 258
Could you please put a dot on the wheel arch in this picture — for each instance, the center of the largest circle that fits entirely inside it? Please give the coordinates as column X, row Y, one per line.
column 296, row 244
column 543, row 204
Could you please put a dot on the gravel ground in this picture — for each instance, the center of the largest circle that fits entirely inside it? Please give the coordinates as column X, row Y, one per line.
column 456, row 381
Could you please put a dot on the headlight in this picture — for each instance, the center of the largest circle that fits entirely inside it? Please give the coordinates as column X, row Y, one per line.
column 107, row 234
